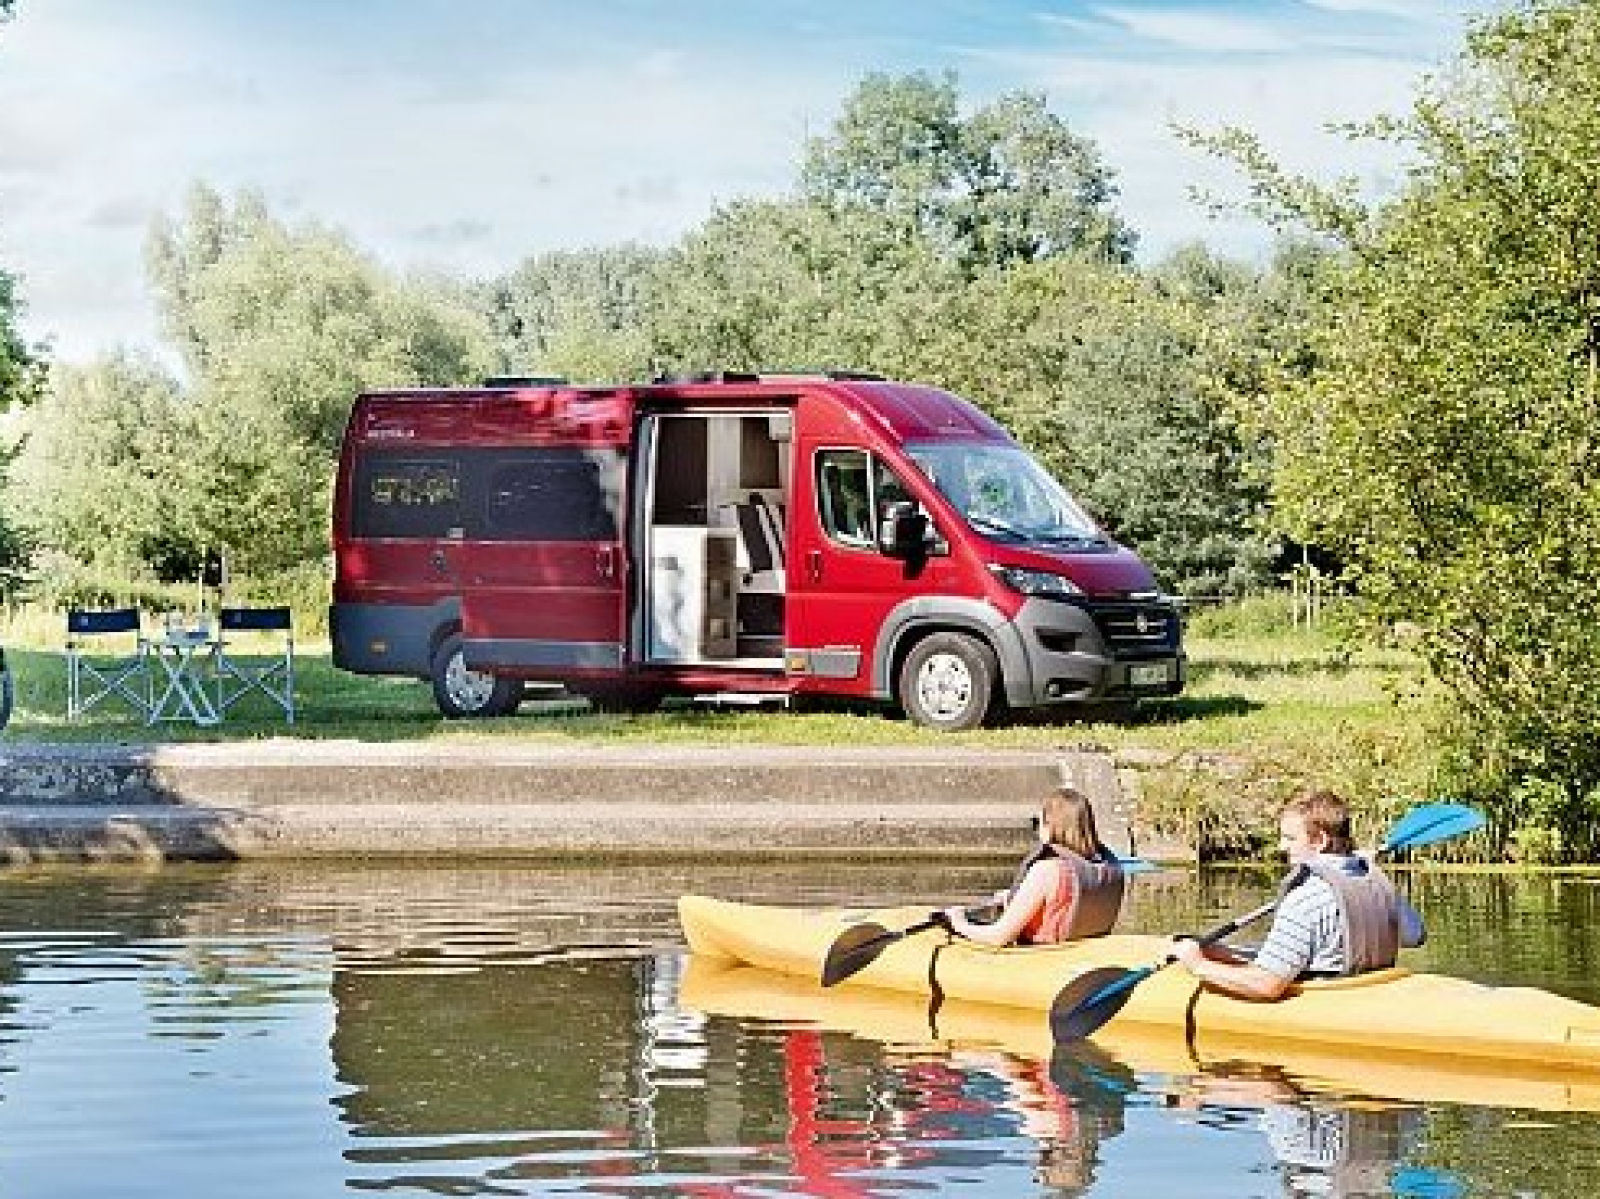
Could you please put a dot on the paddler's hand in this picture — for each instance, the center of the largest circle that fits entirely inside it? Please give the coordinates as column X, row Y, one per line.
column 1189, row 953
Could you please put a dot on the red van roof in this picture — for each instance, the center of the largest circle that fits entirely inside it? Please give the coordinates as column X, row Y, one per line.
column 914, row 412
column 903, row 411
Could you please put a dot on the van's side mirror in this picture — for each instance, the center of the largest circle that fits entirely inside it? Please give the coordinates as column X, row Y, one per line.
column 902, row 530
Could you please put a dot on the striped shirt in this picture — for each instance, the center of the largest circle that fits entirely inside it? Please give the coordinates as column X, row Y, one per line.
column 1306, row 934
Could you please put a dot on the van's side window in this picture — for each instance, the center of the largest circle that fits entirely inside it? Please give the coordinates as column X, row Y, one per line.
column 844, row 496
column 552, row 494
column 406, row 497
column 852, row 488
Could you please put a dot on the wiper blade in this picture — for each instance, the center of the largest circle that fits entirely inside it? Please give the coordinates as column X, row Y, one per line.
column 1074, row 538
column 997, row 525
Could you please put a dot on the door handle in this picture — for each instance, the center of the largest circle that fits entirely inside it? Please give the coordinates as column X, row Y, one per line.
column 441, row 564
column 814, row 565
column 605, row 564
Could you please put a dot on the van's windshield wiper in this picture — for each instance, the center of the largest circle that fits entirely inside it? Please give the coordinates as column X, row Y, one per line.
column 1064, row 537
column 995, row 524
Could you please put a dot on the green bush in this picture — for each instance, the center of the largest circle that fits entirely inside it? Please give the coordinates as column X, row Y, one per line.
column 304, row 588
column 1268, row 614
column 59, row 582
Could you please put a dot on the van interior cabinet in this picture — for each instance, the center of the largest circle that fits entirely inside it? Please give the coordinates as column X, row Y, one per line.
column 693, row 584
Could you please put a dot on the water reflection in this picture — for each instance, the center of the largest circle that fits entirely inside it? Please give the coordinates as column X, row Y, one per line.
column 504, row 1030
column 1321, row 1145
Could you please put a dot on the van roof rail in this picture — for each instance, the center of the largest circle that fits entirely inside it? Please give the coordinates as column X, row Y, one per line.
column 776, row 374
column 842, row 374
column 524, row 380
column 710, row 377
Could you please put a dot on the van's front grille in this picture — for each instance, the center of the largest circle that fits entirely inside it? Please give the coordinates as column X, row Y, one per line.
column 1134, row 630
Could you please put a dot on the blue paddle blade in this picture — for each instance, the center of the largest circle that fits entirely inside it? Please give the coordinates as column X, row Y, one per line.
column 1094, row 997
column 1137, row 866
column 1429, row 823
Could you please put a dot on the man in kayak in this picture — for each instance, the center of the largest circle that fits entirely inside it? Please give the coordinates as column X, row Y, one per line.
column 1070, row 887
column 1338, row 913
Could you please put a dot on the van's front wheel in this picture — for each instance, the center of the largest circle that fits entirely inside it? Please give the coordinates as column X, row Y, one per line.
column 461, row 691
column 950, row 682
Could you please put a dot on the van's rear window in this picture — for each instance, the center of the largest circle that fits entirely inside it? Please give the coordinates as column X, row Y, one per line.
column 544, row 493
column 407, row 497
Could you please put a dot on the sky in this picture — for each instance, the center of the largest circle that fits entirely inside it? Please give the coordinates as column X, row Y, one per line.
column 469, row 135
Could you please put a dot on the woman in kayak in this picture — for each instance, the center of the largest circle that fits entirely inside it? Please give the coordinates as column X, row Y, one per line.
column 1070, row 888
column 1338, row 913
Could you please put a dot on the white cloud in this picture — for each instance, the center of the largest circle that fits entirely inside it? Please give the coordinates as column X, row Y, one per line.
column 1206, row 74
column 467, row 137
column 1428, row 11
column 470, row 172
column 1199, row 30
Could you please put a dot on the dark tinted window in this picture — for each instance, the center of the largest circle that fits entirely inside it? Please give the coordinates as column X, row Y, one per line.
column 552, row 495
column 533, row 494
column 407, row 497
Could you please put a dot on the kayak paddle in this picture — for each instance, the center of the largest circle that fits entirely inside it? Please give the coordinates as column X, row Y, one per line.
column 860, row 945
column 1095, row 996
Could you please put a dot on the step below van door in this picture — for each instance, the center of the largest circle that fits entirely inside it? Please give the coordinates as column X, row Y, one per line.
column 545, row 596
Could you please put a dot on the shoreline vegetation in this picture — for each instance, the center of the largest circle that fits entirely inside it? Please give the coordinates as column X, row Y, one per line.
column 1270, row 706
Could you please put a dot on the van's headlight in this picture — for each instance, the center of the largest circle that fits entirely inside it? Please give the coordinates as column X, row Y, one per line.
column 1035, row 582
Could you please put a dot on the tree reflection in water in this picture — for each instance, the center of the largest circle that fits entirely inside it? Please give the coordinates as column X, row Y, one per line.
column 302, row 1030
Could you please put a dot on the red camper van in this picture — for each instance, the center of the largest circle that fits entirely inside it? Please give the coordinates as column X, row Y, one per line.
column 743, row 536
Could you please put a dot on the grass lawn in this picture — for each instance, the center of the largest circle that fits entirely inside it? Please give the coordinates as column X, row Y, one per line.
column 1282, row 697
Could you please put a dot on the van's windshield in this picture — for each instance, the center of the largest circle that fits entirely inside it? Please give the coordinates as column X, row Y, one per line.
column 1003, row 493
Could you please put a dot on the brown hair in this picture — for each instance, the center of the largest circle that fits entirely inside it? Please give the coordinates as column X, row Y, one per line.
column 1326, row 813
column 1069, row 822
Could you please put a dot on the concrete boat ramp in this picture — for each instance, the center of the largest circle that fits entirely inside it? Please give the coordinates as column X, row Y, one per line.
column 300, row 798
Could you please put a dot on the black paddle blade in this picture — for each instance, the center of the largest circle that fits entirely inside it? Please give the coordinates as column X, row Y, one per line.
column 1088, row 1001
column 855, row 949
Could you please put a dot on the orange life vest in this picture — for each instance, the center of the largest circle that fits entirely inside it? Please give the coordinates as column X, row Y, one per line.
column 1084, row 898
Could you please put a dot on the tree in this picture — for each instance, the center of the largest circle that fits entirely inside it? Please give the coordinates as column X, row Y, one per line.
column 1105, row 378
column 22, row 376
column 790, row 283
column 280, row 328
column 577, row 313
column 1446, row 442
column 920, row 248
column 1009, row 184
column 22, row 367
column 95, row 476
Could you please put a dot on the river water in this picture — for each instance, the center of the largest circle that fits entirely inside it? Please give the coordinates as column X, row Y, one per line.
column 314, row 1030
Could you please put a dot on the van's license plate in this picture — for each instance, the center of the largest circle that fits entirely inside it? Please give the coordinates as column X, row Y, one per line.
column 1145, row 676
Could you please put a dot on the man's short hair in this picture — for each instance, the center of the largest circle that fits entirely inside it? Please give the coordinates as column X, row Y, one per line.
column 1326, row 813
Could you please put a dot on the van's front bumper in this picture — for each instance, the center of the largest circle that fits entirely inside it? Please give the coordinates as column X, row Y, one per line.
column 1091, row 649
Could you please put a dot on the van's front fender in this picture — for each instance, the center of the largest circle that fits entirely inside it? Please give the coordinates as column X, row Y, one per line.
column 913, row 619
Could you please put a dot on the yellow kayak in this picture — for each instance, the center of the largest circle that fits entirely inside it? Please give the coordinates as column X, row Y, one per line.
column 1395, row 1013
column 721, row 988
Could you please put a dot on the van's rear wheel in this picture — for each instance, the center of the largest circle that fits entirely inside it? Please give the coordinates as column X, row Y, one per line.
column 461, row 691
column 950, row 681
